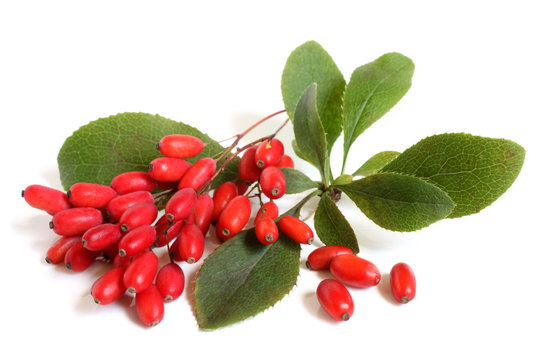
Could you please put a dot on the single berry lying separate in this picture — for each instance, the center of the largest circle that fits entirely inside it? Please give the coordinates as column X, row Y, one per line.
column 109, row 287
column 90, row 195
column 141, row 271
column 296, row 229
column 170, row 281
column 45, row 198
column 320, row 258
column 234, row 217
column 180, row 146
column 269, row 153
column 149, row 306
column 57, row 251
column 335, row 299
column 354, row 271
column 132, row 181
column 168, row 169
column 75, row 221
column 198, row 174
column 403, row 283
column 266, row 231
column 273, row 183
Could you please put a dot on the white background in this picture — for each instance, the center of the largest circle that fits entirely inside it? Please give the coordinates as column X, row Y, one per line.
column 217, row 65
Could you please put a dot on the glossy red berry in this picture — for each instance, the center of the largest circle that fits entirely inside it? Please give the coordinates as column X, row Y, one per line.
column 269, row 153
column 190, row 243
column 149, row 306
column 335, row 299
column 222, row 195
column 170, row 281
column 403, row 282
column 57, row 251
column 181, row 204
column 137, row 240
column 286, row 161
column 75, row 221
column 296, row 229
column 45, row 198
column 138, row 215
column 121, row 203
column 174, row 252
column 168, row 169
column 354, row 271
column 234, row 217
column 78, row 258
column 248, row 171
column 198, row 174
column 269, row 210
column 132, row 181
column 101, row 236
column 109, row 287
column 202, row 215
column 166, row 231
column 90, row 195
column 141, row 271
column 266, row 231
column 180, row 146
column 273, row 183
column 319, row 259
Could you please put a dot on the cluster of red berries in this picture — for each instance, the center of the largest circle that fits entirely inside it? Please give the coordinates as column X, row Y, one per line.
column 351, row 270
column 119, row 222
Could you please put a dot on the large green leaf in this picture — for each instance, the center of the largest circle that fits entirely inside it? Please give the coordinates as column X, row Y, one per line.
column 308, row 64
column 376, row 163
column 399, row 202
column 473, row 170
column 297, row 181
column 106, row 147
column 373, row 90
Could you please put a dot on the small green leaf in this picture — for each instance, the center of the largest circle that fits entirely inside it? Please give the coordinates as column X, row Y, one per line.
column 399, row 202
column 106, row 147
column 473, row 170
column 297, row 181
column 373, row 90
column 243, row 277
column 376, row 163
column 332, row 227
column 343, row 179
column 309, row 132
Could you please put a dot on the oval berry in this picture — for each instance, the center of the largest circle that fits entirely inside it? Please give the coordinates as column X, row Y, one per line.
column 286, row 161
column 181, row 204
column 109, row 287
column 234, row 217
column 319, row 259
column 137, row 240
column 202, row 215
column 273, row 183
column 354, row 271
column 132, row 181
column 180, row 146
column 190, row 243
column 121, row 203
column 296, row 229
column 269, row 210
column 141, row 271
column 170, row 281
column 101, row 236
column 403, row 282
column 222, row 195
column 78, row 258
column 266, row 231
column 45, row 198
column 335, row 299
column 149, row 306
column 138, row 215
column 75, row 221
column 166, row 230
column 198, row 174
column 248, row 171
column 90, row 195
column 57, row 251
column 269, row 153
column 167, row 169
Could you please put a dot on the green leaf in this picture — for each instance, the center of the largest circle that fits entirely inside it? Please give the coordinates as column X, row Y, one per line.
column 473, row 170
column 297, row 150
column 243, row 277
column 309, row 132
column 399, row 202
column 332, row 227
column 376, row 163
column 308, row 64
column 373, row 90
column 343, row 179
column 106, row 147
column 297, row 181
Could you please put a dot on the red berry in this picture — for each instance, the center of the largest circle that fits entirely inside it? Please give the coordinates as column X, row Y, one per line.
column 198, row 174
column 75, row 221
column 79, row 258
column 168, row 169
column 273, row 183
column 141, row 271
column 269, row 153
column 109, row 287
column 149, row 306
column 174, row 252
column 296, row 229
column 269, row 210
column 222, row 195
column 335, row 299
column 248, row 170
column 121, row 261
column 138, row 215
column 403, row 283
column 180, row 146
column 132, row 181
column 46, row 198
column 166, row 231
column 137, row 240
column 354, row 271
column 101, row 236
column 234, row 217
column 319, row 259
column 58, row 249
column 181, row 204
column 266, row 231
column 170, row 281
column 241, row 188
column 202, row 215
column 286, row 161
column 121, row 203
column 90, row 195
column 190, row 243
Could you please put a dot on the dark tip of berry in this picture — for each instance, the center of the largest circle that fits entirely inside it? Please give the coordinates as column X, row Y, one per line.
column 97, row 301
column 51, row 225
column 22, row 193
column 310, row 241
column 190, row 260
column 122, row 252
column 84, row 243
column 308, row 265
column 168, row 298
column 157, row 146
column 274, row 191
column 260, row 164
column 48, row 260
column 150, row 167
column 131, row 289
column 269, row 238
column 169, row 216
column 345, row 316
column 68, row 265
column 124, row 228
column 68, row 194
column 154, row 323
column 405, row 299
column 225, row 232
